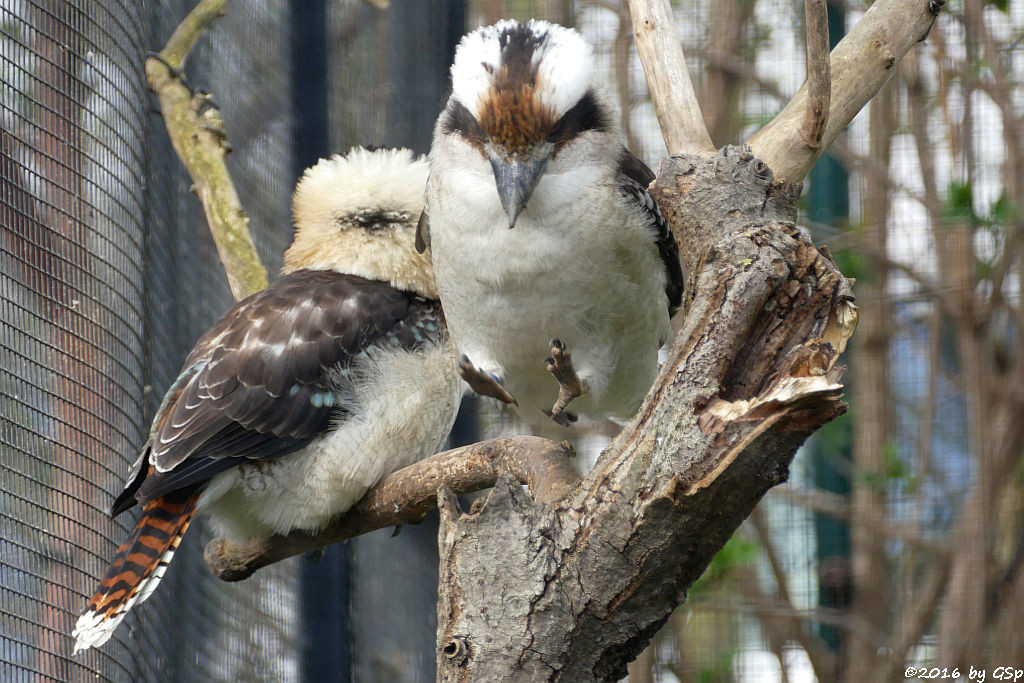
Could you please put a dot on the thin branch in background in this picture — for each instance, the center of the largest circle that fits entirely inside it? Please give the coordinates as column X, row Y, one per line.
column 837, row 506
column 861, row 63
column 873, row 422
column 622, row 48
column 926, row 416
column 197, row 135
column 821, row 660
column 819, row 80
column 941, row 293
column 720, row 89
column 1001, row 91
column 915, row 618
column 675, row 102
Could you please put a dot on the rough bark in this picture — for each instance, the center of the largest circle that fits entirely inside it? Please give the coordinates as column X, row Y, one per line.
column 574, row 590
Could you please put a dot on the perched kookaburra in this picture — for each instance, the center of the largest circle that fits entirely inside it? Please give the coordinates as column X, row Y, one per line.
column 544, row 238
column 303, row 395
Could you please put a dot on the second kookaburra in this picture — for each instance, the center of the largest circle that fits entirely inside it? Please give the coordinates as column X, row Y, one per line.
column 544, row 238
column 304, row 395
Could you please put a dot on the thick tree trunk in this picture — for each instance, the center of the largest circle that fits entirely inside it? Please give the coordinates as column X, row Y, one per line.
column 573, row 590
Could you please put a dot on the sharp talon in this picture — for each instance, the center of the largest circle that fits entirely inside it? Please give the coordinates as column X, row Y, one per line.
column 483, row 383
column 394, row 532
column 559, row 364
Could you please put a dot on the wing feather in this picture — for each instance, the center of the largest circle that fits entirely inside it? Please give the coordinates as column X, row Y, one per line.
column 635, row 177
column 269, row 376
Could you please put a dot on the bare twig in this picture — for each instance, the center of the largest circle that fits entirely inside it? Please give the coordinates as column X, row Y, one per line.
column 861, row 64
column 197, row 134
column 837, row 506
column 621, row 53
column 820, row 658
column 405, row 496
column 819, row 80
column 675, row 102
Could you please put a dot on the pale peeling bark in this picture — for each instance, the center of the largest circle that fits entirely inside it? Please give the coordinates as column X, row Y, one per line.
column 575, row 589
column 675, row 102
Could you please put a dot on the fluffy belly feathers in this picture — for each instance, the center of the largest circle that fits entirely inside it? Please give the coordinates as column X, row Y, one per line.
column 405, row 408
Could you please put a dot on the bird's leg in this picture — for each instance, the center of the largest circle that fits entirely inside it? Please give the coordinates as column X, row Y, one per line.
column 482, row 383
column 570, row 386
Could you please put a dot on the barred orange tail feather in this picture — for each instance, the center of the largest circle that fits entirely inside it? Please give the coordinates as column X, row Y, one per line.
column 137, row 568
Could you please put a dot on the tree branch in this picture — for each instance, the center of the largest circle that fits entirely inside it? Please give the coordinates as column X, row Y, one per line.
column 861, row 63
column 197, row 133
column 819, row 80
column 668, row 80
column 404, row 496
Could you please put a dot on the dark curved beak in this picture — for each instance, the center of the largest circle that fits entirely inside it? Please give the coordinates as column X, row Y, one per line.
column 516, row 178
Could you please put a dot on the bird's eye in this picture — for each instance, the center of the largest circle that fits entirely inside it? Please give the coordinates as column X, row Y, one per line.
column 487, row 67
column 376, row 220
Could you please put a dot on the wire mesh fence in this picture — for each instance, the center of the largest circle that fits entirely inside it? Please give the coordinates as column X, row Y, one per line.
column 108, row 275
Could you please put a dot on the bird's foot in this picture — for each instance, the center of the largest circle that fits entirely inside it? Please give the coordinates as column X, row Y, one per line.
column 570, row 386
column 482, row 383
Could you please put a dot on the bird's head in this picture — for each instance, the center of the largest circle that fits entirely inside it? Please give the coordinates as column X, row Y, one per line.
column 357, row 214
column 520, row 93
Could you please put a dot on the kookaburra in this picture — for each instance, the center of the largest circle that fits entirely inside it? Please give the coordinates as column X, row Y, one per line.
column 304, row 395
column 544, row 238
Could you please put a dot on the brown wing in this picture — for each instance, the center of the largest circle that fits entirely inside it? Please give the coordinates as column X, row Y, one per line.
column 271, row 375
